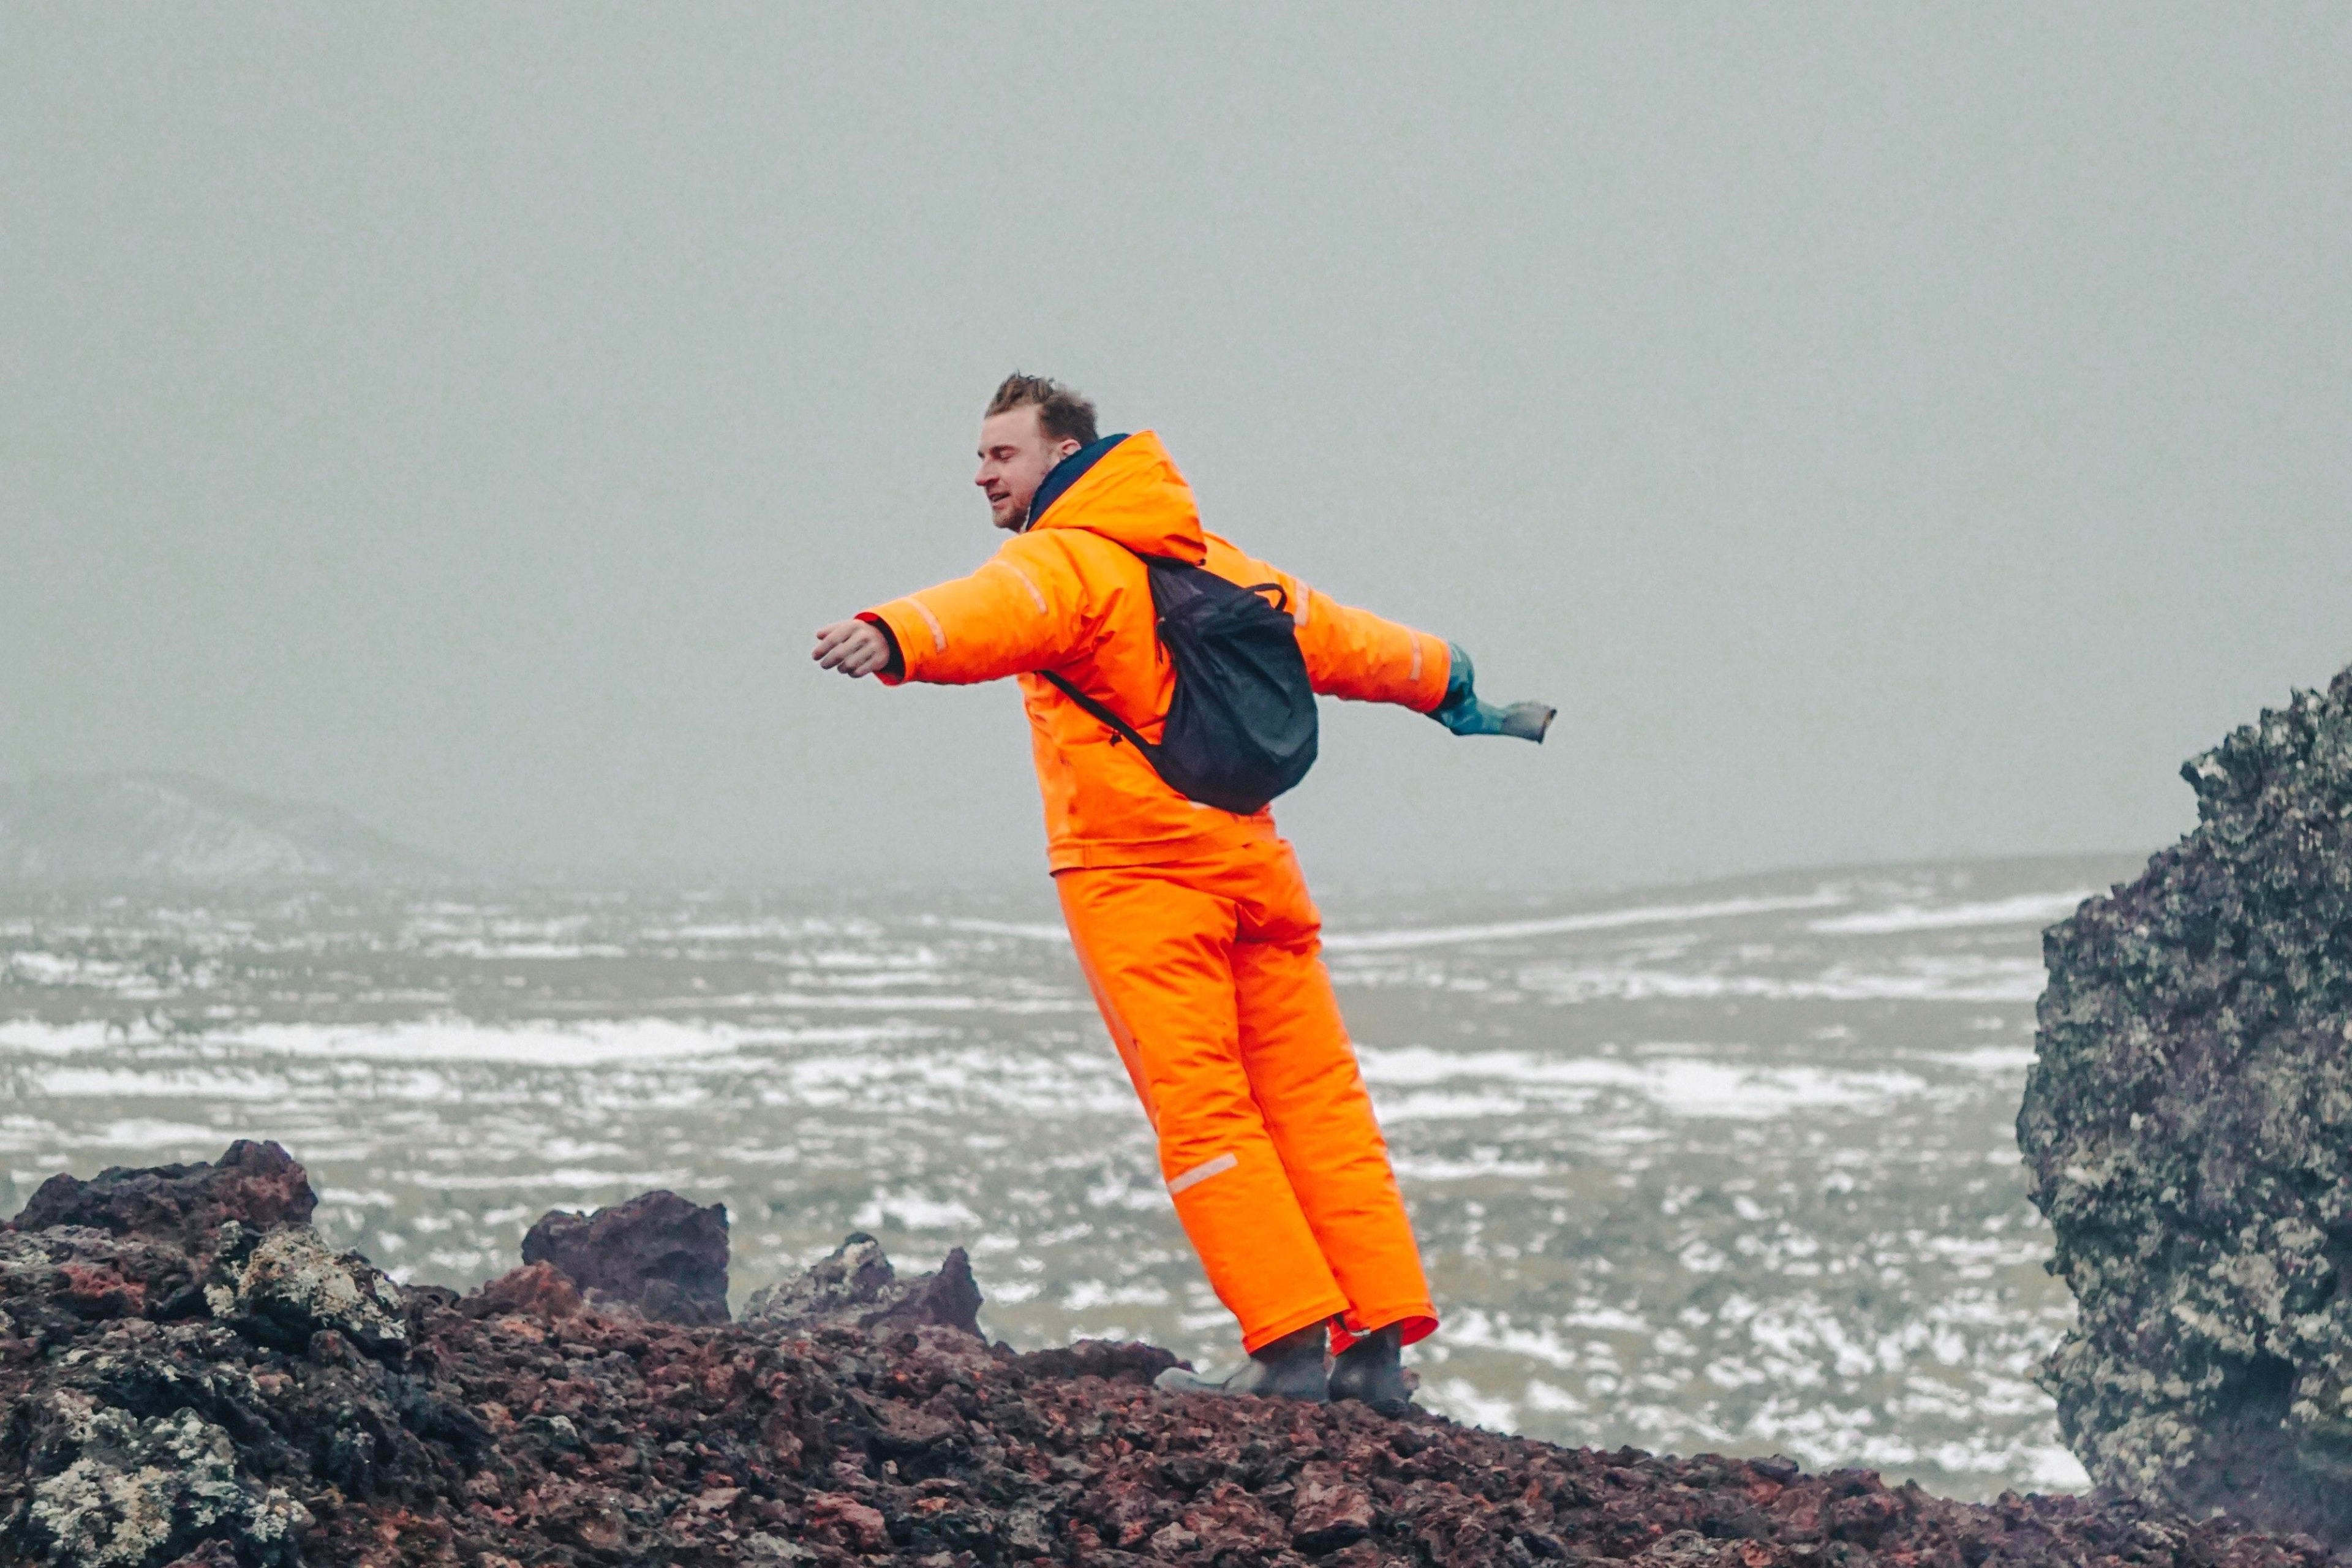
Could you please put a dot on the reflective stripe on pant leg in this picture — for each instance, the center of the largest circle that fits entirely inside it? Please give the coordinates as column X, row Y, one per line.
column 1160, row 956
column 1303, row 1072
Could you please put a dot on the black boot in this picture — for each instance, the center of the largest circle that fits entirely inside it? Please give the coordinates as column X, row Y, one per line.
column 1369, row 1370
column 1288, row 1368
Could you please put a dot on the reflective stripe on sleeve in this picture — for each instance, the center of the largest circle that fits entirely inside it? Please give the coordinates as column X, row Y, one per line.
column 1033, row 592
column 939, row 635
column 1202, row 1173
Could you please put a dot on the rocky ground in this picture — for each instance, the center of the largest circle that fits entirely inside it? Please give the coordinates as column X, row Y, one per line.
column 190, row 1376
column 2188, row 1123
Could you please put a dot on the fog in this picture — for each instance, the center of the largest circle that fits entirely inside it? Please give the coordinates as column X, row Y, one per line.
column 1884, row 433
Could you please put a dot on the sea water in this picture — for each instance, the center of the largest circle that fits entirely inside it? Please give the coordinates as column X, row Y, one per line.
column 1729, row 1167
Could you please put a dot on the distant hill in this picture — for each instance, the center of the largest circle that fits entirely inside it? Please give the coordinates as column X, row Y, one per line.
column 107, row 828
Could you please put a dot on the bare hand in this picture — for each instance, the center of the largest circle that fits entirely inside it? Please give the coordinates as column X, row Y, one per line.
column 853, row 648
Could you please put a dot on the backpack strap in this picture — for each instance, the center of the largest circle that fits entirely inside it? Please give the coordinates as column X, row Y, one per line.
column 1124, row 729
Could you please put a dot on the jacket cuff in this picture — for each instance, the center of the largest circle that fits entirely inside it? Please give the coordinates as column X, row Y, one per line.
column 894, row 672
column 1436, row 673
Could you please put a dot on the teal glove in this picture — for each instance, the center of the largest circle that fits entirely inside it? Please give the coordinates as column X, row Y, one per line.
column 1463, row 713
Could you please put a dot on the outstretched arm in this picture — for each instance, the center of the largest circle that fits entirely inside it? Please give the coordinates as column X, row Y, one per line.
column 1350, row 653
column 1356, row 654
column 1025, row 610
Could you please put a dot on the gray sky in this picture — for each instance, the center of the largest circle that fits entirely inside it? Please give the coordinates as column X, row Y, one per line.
column 1884, row 432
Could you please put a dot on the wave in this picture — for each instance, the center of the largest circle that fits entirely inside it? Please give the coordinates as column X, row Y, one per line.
column 1920, row 979
column 2025, row 909
column 586, row 1043
column 1679, row 1086
column 1603, row 920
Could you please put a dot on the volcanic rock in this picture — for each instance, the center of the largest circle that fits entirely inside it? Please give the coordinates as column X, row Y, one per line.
column 538, row 1289
column 855, row 1287
column 294, row 1286
column 258, row 1184
column 2188, row 1127
column 1327, row 1511
column 513, row 1433
column 658, row 1254
column 137, row 1490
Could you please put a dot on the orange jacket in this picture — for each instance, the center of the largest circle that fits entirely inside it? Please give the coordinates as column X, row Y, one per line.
column 1069, row 595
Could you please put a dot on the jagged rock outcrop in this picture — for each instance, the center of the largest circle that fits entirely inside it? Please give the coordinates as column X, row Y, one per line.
column 523, row 1425
column 2188, row 1127
column 855, row 1287
column 289, row 1286
column 259, row 1184
column 658, row 1255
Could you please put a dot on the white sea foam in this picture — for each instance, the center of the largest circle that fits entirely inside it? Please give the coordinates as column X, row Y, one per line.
column 148, row 1133
column 1987, row 1058
column 585, row 1043
column 579, row 1180
column 1441, row 1105
column 1919, row 978
column 1462, row 1399
column 131, row 1083
column 582, row 1043
column 1027, row 930
column 475, row 947
column 913, row 1211
column 782, row 928
column 899, row 1003
column 37, row 968
column 1604, row 920
column 1679, row 1086
column 1087, row 1295
column 1484, row 1162
column 2025, row 909
column 2058, row 1469
column 38, row 1039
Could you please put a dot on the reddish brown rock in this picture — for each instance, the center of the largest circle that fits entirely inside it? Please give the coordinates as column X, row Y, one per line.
column 100, row 1290
column 848, row 1521
column 258, row 1184
column 658, row 1255
column 511, row 1431
column 856, row 1286
column 540, row 1289
column 1327, row 1512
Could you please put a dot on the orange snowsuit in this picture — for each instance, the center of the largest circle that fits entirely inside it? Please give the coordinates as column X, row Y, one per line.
column 1192, row 924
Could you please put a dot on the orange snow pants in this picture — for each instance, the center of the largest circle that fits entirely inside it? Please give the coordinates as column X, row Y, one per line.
column 1210, row 976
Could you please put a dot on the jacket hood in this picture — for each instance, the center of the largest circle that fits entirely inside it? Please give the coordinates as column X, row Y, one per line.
column 1125, row 489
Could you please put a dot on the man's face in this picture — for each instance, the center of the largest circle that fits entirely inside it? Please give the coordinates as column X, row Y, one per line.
column 1015, row 459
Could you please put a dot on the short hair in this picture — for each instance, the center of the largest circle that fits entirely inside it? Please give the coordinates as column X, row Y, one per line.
column 1063, row 413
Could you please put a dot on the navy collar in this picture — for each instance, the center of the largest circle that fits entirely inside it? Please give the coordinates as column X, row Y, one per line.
column 1066, row 473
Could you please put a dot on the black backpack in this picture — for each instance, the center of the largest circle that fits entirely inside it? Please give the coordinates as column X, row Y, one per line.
column 1242, row 727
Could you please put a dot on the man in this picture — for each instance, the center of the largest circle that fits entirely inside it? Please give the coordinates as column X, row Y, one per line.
column 1192, row 924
